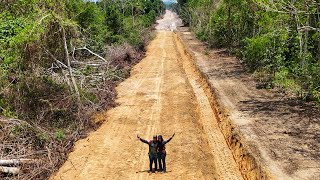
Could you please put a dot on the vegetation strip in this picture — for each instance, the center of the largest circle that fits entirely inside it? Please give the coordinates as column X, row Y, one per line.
column 278, row 41
column 60, row 62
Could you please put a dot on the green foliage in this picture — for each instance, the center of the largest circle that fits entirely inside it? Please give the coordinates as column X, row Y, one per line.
column 217, row 36
column 16, row 130
column 36, row 86
column 42, row 137
column 89, row 96
column 6, row 109
column 12, row 36
column 8, row 112
column 91, row 21
column 41, row 99
column 273, row 41
column 111, row 22
column 60, row 135
column 283, row 80
column 32, row 28
column 265, row 51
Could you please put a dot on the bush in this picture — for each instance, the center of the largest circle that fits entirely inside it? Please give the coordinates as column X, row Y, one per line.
column 283, row 80
column 275, row 45
column 35, row 81
column 265, row 51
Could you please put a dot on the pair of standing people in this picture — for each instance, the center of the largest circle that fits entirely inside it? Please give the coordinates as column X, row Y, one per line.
column 157, row 151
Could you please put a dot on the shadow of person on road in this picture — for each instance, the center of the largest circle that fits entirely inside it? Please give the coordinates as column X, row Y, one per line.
column 153, row 171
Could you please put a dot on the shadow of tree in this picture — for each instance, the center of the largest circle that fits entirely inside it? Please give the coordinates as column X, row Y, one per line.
column 300, row 119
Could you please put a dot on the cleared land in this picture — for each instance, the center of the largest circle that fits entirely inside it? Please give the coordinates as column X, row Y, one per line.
column 225, row 127
column 162, row 96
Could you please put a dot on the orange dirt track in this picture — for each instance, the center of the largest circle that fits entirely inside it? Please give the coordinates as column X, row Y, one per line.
column 162, row 96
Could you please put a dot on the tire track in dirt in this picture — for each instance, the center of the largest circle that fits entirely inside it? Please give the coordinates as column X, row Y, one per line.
column 155, row 114
column 221, row 152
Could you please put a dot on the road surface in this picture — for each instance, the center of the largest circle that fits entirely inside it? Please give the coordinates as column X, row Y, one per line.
column 162, row 96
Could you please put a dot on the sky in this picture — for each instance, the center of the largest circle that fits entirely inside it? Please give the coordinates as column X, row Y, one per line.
column 169, row 0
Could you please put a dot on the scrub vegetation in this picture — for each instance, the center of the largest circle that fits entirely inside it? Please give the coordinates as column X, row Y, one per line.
column 278, row 41
column 59, row 64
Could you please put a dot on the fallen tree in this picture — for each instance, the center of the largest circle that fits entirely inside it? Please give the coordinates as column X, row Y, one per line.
column 9, row 170
column 15, row 162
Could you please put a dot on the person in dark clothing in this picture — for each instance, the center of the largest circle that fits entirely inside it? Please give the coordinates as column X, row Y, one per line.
column 162, row 152
column 153, row 148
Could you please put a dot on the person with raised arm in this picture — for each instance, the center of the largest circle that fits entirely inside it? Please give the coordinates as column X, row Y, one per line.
column 162, row 152
column 153, row 149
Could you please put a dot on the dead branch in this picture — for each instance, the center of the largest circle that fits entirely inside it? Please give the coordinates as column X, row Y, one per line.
column 54, row 58
column 308, row 28
column 15, row 162
column 14, row 121
column 20, row 122
column 9, row 170
column 89, row 63
column 60, row 64
column 91, row 52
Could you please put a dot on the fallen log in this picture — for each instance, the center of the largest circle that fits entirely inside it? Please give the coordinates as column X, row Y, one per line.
column 9, row 170
column 14, row 162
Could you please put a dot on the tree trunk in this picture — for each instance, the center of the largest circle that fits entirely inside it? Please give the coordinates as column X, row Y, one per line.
column 306, row 38
column 14, row 162
column 68, row 63
column 132, row 13
column 229, row 26
column 318, row 15
column 9, row 170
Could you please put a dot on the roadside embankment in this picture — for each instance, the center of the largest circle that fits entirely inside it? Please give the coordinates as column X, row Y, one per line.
column 248, row 165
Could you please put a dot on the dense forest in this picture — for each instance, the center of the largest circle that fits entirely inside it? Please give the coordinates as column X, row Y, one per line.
column 278, row 41
column 59, row 64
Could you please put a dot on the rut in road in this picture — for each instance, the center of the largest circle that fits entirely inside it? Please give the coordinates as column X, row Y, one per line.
column 162, row 96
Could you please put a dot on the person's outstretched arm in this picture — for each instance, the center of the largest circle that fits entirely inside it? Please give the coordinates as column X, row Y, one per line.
column 165, row 142
column 142, row 140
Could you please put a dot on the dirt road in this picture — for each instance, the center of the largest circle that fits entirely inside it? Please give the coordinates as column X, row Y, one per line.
column 162, row 96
